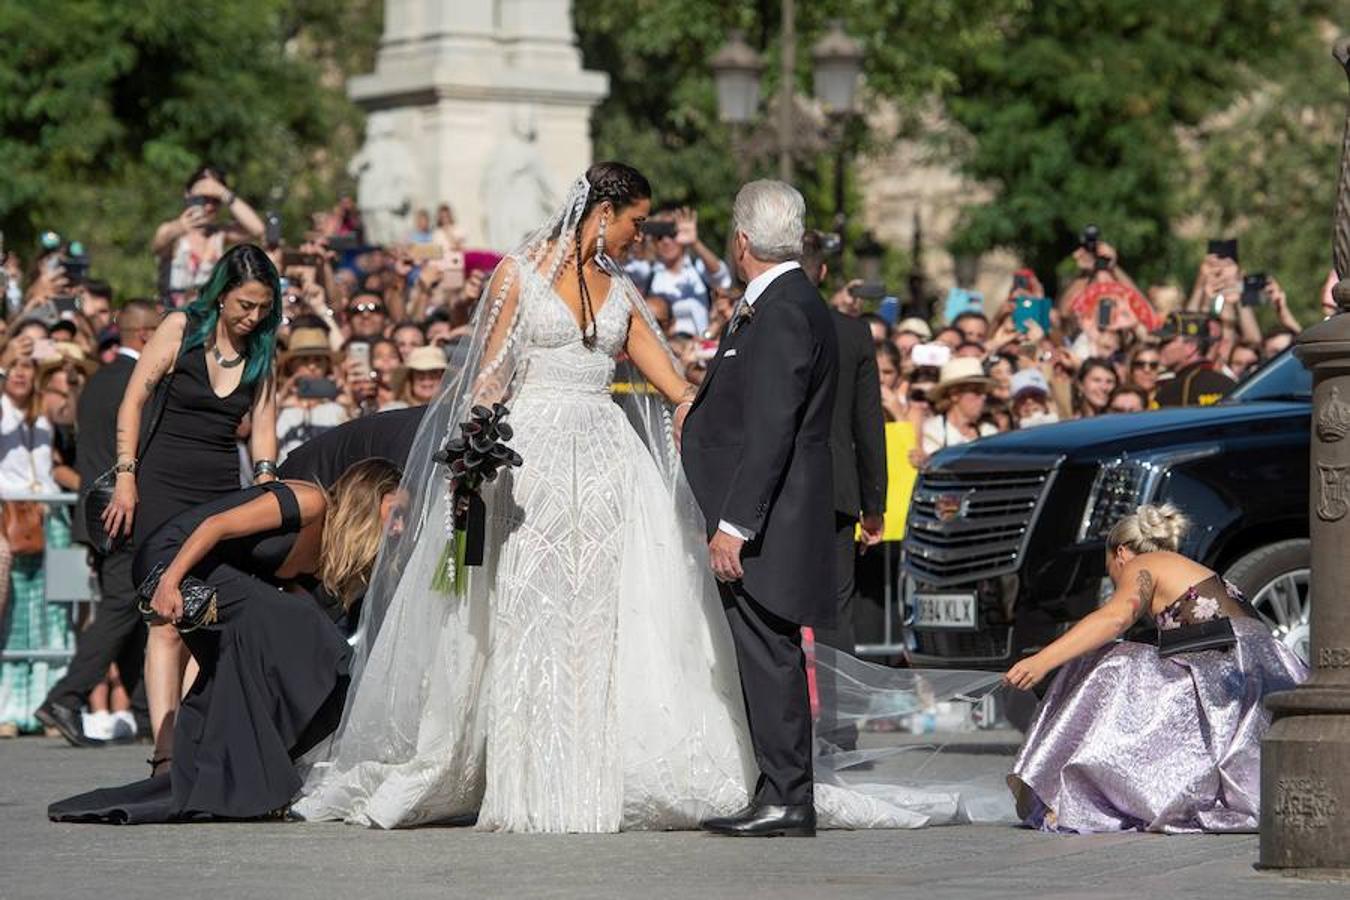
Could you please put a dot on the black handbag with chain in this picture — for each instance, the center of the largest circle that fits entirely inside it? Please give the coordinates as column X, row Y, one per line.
column 199, row 600
column 1215, row 634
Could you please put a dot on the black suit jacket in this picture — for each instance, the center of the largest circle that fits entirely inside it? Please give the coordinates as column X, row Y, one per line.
column 757, row 448
column 858, row 436
column 96, row 429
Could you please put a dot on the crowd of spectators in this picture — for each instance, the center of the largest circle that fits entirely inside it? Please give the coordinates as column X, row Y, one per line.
column 368, row 328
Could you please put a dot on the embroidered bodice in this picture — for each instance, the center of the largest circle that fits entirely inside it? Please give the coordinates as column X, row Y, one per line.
column 1213, row 598
column 552, row 354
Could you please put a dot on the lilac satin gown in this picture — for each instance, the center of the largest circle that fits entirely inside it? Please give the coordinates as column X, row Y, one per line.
column 1126, row 740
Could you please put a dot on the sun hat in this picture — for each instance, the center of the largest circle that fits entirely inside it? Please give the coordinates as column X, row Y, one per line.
column 307, row 342
column 421, row 359
column 915, row 325
column 959, row 372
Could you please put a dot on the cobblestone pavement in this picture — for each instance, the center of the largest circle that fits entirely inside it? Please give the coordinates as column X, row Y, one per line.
column 42, row 859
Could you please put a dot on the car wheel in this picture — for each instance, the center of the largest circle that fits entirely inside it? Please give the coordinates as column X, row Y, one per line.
column 1276, row 579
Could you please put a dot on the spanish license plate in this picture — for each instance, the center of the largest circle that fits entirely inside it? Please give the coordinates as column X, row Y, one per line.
column 944, row 610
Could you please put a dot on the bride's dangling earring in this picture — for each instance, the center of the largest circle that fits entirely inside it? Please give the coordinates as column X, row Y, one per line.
column 601, row 257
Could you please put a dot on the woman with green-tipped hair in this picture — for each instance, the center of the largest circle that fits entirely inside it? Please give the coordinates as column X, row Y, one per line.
column 212, row 365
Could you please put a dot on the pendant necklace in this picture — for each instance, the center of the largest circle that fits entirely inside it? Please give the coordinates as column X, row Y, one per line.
column 222, row 361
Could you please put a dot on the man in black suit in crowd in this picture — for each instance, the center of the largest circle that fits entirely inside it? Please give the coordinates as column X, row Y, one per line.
column 117, row 633
column 858, row 442
column 757, row 453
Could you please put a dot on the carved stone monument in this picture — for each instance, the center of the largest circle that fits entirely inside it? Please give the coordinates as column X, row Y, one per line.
column 482, row 104
column 1305, row 757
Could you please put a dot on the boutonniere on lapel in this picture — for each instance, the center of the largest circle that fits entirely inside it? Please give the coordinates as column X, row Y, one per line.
column 743, row 315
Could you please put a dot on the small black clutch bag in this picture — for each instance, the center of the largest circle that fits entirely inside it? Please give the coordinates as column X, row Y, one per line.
column 199, row 600
column 1215, row 634
column 96, row 500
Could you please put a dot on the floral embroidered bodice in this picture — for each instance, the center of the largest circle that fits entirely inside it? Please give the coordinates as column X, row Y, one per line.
column 1213, row 598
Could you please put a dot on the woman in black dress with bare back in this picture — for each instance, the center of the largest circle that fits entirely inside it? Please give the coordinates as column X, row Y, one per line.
column 208, row 367
column 273, row 666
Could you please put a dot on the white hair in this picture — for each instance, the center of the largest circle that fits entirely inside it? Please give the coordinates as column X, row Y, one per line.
column 772, row 215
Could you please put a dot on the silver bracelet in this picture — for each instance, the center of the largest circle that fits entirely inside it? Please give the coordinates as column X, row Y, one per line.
column 264, row 467
column 227, row 199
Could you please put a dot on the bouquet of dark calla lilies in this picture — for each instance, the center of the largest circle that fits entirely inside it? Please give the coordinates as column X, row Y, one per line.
column 473, row 458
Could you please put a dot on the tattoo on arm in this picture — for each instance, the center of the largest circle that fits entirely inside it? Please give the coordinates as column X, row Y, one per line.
column 1142, row 601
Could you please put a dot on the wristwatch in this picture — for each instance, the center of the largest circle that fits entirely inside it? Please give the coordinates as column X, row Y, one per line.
column 128, row 468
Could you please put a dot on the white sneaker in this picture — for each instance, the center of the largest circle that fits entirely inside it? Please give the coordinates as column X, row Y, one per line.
column 123, row 726
column 98, row 725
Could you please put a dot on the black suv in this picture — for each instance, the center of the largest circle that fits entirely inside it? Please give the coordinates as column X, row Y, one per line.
column 1005, row 545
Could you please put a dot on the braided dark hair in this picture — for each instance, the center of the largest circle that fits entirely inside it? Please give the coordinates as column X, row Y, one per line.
column 622, row 185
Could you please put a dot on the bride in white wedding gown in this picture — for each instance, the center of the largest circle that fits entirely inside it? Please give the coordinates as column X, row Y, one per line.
column 586, row 681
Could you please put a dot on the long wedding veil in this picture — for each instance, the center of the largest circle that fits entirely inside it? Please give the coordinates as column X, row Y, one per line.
column 413, row 640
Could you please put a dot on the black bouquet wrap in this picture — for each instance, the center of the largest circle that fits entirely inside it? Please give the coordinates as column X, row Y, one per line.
column 472, row 458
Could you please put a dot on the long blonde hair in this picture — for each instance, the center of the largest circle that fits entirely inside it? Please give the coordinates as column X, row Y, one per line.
column 1149, row 529
column 352, row 527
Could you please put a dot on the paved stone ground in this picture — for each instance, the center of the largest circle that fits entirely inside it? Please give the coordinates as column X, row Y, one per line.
column 42, row 859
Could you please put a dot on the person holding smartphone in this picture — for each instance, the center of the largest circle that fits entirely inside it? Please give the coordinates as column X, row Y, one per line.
column 684, row 270
column 307, row 399
column 189, row 245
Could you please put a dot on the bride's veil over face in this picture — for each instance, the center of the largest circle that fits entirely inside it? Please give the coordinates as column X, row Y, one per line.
column 485, row 370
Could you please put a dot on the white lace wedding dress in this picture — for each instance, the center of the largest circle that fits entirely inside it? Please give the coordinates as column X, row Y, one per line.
column 587, row 682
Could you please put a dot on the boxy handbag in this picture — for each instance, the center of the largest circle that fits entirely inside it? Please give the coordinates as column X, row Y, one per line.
column 1215, row 634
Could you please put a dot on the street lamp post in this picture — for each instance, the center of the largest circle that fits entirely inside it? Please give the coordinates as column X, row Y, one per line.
column 736, row 69
column 838, row 63
column 1305, row 757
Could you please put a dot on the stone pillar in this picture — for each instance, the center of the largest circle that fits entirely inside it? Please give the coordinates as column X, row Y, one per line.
column 481, row 104
column 1305, row 757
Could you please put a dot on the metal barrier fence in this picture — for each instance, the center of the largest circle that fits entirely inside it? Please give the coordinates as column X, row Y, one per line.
column 67, row 578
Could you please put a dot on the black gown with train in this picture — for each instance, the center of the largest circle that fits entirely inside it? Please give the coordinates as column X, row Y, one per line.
column 192, row 455
column 274, row 674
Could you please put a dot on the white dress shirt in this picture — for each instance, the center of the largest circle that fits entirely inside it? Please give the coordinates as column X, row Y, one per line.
column 753, row 291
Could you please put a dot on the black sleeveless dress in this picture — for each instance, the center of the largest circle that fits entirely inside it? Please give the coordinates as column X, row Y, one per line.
column 274, row 675
column 192, row 457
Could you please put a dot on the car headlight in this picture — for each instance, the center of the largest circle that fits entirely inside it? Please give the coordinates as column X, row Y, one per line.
column 1124, row 484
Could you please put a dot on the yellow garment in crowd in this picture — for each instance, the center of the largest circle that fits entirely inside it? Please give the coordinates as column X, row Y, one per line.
column 900, row 477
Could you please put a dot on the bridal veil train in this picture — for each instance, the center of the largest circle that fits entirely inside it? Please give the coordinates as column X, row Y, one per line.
column 584, row 680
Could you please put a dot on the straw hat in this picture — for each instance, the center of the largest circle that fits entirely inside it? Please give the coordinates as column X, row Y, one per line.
column 915, row 326
column 307, row 342
column 421, row 359
column 70, row 353
column 958, row 372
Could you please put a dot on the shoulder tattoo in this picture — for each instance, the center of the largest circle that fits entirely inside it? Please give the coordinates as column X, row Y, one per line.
column 1145, row 588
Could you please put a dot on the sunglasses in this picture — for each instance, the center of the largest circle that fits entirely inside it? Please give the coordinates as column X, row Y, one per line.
column 1152, row 365
column 359, row 308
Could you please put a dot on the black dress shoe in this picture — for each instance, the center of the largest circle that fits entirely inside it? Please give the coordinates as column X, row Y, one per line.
column 68, row 722
column 764, row 820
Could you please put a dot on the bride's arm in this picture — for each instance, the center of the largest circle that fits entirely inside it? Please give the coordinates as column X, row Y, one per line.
column 503, row 293
column 647, row 353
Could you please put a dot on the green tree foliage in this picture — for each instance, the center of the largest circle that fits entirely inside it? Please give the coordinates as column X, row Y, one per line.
column 1079, row 117
column 107, row 107
column 661, row 114
column 1268, row 174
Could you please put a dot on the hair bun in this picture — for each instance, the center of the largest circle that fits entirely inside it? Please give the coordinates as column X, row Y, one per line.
column 1162, row 526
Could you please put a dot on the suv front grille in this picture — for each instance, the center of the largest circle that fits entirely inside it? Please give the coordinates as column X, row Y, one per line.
column 968, row 525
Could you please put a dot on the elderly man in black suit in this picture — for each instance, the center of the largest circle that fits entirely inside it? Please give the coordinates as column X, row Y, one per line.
column 858, row 442
column 117, row 633
column 757, row 454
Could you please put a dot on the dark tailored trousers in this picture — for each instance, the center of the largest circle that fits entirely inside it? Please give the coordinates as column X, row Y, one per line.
column 777, row 704
column 842, row 636
column 117, row 634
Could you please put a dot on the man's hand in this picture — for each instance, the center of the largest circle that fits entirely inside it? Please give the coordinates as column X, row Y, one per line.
column 724, row 551
column 873, row 527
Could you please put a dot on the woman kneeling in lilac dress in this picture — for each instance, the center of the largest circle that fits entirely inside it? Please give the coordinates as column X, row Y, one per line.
column 1166, row 738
